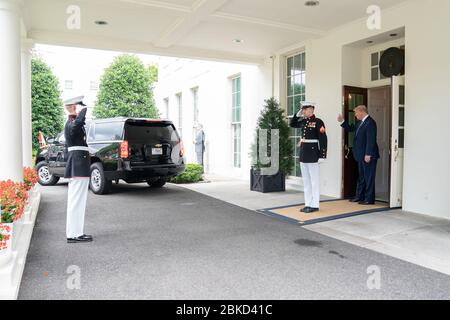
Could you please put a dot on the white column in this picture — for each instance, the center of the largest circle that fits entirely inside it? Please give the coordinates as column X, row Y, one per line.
column 27, row 46
column 10, row 91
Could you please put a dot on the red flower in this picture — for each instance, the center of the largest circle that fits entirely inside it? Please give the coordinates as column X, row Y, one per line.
column 13, row 199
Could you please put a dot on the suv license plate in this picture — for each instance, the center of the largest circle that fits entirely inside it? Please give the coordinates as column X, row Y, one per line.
column 157, row 151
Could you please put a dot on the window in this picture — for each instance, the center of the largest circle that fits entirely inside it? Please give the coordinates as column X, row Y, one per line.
column 375, row 73
column 295, row 84
column 195, row 103
column 68, row 84
column 166, row 107
column 110, row 131
column 91, row 132
column 236, row 120
column 94, row 85
column 180, row 114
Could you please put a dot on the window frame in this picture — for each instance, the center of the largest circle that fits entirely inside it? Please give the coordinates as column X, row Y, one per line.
column 294, row 98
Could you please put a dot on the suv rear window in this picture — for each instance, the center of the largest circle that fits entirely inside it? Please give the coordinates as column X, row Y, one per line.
column 107, row 131
column 150, row 132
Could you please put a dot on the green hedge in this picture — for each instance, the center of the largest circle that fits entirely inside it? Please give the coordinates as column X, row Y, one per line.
column 192, row 174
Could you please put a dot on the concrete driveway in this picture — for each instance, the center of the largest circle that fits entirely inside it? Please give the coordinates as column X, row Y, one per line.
column 175, row 243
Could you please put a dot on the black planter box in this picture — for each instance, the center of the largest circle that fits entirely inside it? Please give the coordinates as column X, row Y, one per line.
column 264, row 184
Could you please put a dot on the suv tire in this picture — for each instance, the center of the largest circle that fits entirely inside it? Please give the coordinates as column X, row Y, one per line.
column 44, row 175
column 158, row 183
column 98, row 182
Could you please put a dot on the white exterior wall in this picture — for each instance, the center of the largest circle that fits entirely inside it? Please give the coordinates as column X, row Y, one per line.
column 213, row 80
column 427, row 156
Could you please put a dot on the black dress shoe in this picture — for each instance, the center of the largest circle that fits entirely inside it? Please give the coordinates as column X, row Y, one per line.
column 303, row 210
column 354, row 200
column 310, row 210
column 83, row 238
column 366, row 203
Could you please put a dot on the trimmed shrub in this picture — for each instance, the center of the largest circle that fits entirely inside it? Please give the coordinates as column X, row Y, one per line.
column 192, row 174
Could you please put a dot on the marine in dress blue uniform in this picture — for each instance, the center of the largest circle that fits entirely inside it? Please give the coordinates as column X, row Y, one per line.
column 312, row 151
column 77, row 171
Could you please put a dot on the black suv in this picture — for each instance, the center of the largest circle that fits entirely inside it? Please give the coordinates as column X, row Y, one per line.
column 134, row 150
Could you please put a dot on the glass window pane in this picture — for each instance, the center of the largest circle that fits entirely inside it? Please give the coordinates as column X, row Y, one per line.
column 238, row 100
column 290, row 66
column 374, row 59
column 108, row 131
column 297, row 64
column 359, row 99
column 401, row 138
column 297, row 100
column 297, row 84
column 303, row 62
column 374, row 75
column 290, row 106
column 402, row 95
column 351, row 101
column 401, row 119
column 290, row 86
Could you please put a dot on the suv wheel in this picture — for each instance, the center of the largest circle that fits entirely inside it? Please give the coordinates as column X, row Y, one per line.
column 158, row 183
column 44, row 175
column 98, row 182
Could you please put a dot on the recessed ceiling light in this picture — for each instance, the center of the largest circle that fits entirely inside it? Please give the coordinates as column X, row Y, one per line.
column 311, row 3
column 238, row 40
column 101, row 22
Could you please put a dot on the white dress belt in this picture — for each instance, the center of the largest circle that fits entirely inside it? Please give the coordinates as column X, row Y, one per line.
column 309, row 140
column 78, row 148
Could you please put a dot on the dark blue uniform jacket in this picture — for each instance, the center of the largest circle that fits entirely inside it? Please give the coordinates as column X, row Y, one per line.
column 78, row 162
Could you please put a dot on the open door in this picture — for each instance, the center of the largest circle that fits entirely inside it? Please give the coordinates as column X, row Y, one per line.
column 397, row 141
column 352, row 97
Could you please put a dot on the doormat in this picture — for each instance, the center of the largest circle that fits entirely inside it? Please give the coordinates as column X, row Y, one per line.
column 329, row 210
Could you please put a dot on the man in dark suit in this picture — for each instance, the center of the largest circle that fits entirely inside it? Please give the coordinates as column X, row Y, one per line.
column 365, row 152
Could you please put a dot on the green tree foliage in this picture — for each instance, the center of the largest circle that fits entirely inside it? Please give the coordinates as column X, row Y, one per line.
column 47, row 106
column 126, row 90
column 272, row 117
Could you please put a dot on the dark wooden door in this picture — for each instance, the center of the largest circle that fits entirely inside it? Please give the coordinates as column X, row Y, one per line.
column 353, row 97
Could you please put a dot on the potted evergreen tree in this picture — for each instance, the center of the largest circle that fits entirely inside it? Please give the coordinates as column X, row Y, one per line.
column 271, row 117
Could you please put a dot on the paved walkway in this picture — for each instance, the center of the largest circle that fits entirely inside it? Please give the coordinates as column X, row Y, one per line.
column 175, row 243
column 415, row 238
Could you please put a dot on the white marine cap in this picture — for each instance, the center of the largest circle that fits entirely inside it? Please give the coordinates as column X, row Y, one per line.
column 307, row 104
column 76, row 100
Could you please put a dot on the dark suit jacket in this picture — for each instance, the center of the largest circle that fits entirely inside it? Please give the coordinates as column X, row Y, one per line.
column 78, row 162
column 365, row 142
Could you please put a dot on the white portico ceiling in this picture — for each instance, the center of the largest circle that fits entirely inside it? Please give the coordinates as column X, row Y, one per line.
column 192, row 28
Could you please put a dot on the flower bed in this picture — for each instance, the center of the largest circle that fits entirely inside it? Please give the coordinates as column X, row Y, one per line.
column 13, row 200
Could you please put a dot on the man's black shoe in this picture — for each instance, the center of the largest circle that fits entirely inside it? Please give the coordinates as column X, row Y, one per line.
column 366, row 203
column 310, row 210
column 354, row 200
column 303, row 210
column 83, row 238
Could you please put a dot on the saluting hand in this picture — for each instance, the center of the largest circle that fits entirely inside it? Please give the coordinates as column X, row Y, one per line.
column 340, row 118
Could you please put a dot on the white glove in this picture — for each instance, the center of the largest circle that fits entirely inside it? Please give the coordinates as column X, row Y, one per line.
column 299, row 114
column 321, row 160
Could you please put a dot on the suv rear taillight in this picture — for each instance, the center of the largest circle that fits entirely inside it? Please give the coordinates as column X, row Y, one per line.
column 124, row 149
column 181, row 148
